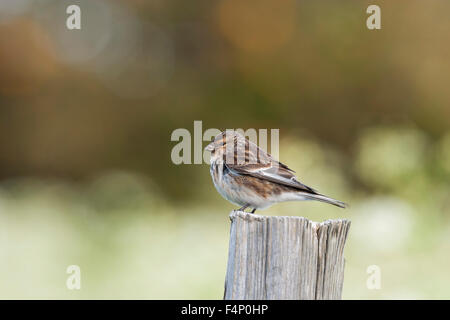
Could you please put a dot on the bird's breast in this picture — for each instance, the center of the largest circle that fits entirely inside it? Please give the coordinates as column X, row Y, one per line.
column 239, row 189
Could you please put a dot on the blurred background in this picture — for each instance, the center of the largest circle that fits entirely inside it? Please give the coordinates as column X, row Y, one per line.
column 86, row 117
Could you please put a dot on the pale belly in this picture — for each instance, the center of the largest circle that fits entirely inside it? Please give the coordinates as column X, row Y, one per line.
column 237, row 193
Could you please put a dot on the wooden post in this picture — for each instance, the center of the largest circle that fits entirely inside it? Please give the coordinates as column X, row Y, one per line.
column 285, row 258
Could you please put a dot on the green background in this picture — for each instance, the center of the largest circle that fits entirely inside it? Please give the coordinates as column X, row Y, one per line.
column 86, row 117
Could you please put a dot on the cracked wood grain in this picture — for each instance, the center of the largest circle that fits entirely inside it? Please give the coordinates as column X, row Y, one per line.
column 285, row 258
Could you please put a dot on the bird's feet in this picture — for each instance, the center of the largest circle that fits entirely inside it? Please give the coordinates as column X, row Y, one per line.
column 245, row 207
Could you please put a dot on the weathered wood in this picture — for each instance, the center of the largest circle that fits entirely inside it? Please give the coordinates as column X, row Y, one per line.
column 285, row 258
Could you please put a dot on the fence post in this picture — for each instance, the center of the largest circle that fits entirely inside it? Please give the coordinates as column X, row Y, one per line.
column 285, row 258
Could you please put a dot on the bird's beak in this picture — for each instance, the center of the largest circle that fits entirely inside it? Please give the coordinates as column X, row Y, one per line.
column 210, row 147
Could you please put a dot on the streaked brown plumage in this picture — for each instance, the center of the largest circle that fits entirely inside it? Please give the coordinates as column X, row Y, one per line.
column 248, row 176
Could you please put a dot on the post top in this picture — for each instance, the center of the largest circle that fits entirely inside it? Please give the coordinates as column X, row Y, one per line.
column 256, row 217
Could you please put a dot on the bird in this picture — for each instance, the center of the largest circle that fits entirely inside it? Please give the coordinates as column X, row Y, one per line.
column 247, row 176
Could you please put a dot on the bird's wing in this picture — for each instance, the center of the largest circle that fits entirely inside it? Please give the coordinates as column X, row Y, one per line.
column 260, row 164
column 274, row 173
column 252, row 154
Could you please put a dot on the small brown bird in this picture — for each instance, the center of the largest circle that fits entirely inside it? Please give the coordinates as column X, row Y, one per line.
column 246, row 175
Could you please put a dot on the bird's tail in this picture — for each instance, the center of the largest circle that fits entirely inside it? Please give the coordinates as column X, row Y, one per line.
column 322, row 198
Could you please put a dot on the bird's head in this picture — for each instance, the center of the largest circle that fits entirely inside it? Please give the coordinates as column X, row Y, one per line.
column 219, row 143
column 233, row 147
